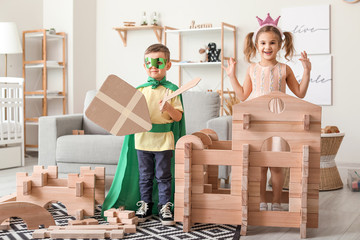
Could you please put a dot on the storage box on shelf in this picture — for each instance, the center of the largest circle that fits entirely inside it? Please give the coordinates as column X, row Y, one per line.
column 42, row 58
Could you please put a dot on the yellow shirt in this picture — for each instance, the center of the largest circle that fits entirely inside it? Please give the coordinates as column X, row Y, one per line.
column 150, row 141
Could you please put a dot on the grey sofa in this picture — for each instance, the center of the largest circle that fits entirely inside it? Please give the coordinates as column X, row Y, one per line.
column 57, row 145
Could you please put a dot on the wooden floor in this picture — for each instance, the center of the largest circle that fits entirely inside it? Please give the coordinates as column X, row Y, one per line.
column 339, row 210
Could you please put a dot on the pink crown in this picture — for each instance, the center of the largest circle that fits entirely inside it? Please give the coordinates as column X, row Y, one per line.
column 268, row 21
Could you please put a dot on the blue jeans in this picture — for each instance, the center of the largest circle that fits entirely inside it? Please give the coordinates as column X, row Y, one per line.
column 156, row 164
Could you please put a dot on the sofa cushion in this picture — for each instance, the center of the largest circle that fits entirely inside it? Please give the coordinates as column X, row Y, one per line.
column 199, row 107
column 89, row 126
column 92, row 149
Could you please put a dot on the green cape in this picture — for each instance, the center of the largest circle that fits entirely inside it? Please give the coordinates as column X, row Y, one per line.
column 124, row 190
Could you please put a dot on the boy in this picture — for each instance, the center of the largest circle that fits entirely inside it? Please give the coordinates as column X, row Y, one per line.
column 155, row 148
column 140, row 154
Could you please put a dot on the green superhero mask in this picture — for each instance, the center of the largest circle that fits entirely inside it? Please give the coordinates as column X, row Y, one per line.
column 159, row 63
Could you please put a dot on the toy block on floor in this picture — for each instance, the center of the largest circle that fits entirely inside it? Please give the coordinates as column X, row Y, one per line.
column 5, row 225
column 85, row 231
column 99, row 182
column 32, row 214
column 127, row 228
column 43, row 187
column 116, row 216
column 88, row 221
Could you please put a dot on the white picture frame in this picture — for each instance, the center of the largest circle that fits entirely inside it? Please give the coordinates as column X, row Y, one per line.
column 310, row 27
column 320, row 86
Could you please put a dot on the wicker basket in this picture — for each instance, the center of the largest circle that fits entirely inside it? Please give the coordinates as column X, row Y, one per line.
column 329, row 174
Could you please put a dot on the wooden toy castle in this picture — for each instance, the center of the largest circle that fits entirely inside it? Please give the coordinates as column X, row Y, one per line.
column 78, row 193
column 198, row 198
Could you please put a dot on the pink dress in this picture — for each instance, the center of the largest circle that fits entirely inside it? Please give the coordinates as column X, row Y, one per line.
column 265, row 80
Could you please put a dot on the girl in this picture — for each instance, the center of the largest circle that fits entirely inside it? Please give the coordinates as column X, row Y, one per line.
column 266, row 76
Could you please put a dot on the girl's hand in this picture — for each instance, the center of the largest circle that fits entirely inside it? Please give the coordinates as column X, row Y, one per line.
column 305, row 61
column 230, row 69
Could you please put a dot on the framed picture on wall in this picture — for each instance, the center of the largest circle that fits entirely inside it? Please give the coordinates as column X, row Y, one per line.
column 320, row 86
column 310, row 27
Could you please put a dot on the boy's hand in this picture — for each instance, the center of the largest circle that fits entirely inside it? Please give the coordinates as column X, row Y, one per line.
column 166, row 107
column 305, row 61
column 175, row 115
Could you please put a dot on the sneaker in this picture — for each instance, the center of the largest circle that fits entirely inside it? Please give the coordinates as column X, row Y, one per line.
column 165, row 214
column 276, row 207
column 144, row 211
column 263, row 206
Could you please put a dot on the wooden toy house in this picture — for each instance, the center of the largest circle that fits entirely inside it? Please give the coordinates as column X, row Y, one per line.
column 255, row 123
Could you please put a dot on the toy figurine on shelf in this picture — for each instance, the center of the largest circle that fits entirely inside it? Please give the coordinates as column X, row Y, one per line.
column 144, row 20
column 203, row 54
column 213, row 53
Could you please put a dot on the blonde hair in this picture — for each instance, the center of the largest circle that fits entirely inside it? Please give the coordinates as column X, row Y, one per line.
column 250, row 46
column 157, row 47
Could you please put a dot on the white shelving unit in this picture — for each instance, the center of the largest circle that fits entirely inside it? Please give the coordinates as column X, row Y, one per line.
column 44, row 64
column 181, row 63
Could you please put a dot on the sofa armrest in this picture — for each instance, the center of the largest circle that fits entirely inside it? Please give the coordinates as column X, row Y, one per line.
column 52, row 127
column 222, row 126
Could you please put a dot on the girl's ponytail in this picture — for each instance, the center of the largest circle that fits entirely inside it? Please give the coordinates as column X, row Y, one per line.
column 288, row 46
column 249, row 47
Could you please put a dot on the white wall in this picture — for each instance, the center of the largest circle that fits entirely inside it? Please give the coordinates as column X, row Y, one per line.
column 79, row 23
column 126, row 62
column 18, row 11
column 10, row 11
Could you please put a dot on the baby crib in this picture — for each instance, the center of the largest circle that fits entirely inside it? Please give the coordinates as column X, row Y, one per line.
column 11, row 122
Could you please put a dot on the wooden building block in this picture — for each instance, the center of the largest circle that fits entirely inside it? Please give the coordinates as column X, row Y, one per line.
column 129, row 228
column 254, row 174
column 79, row 214
column 39, row 179
column 91, row 221
column 52, row 171
column 27, row 187
column 114, row 234
column 133, row 220
column 32, row 214
column 110, row 213
column 206, row 139
column 303, row 230
column 78, row 132
column 76, row 222
column 186, row 224
column 87, row 178
column 113, row 220
column 306, row 122
column 79, row 189
column 207, row 188
column 246, row 121
column 125, row 214
column 5, row 225
column 211, row 133
column 39, row 233
column 77, row 234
